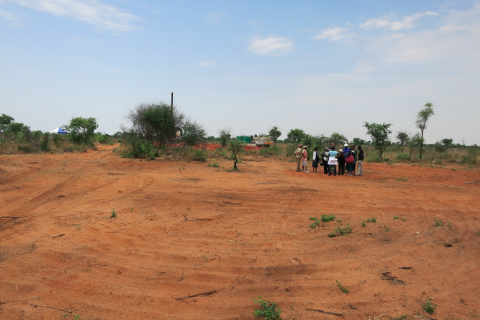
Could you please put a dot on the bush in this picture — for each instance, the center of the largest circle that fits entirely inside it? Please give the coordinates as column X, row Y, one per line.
column 268, row 311
column 403, row 156
column 374, row 158
column 138, row 148
column 199, row 155
column 45, row 144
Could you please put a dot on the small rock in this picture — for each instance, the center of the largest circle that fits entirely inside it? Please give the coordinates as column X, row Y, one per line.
column 448, row 245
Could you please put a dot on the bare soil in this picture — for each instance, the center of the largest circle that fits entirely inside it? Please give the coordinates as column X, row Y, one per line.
column 196, row 242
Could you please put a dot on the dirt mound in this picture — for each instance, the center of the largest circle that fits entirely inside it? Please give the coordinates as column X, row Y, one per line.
column 200, row 243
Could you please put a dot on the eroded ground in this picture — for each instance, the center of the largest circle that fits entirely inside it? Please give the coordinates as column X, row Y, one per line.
column 183, row 229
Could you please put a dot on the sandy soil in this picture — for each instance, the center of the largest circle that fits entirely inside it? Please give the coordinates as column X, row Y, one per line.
column 184, row 229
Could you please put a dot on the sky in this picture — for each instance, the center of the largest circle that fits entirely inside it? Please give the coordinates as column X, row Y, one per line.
column 320, row 66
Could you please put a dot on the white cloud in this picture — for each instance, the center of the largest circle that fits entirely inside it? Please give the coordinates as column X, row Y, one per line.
column 94, row 12
column 273, row 45
column 9, row 17
column 332, row 34
column 405, row 23
column 207, row 63
column 431, row 13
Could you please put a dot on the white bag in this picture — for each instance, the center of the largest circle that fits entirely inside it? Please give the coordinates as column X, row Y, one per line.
column 332, row 161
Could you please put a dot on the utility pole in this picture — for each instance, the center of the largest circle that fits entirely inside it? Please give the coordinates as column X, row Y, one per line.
column 173, row 121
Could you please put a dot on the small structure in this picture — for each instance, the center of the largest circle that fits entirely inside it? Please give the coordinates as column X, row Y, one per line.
column 58, row 131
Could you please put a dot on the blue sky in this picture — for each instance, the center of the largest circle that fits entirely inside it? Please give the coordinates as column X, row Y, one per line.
column 321, row 66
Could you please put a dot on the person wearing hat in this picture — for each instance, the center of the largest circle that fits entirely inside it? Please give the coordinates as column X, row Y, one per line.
column 315, row 160
column 325, row 156
column 346, row 150
column 304, row 159
column 341, row 162
column 298, row 156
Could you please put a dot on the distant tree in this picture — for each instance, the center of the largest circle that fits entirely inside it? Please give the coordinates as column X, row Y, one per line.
column 447, row 142
column 337, row 139
column 402, row 138
column 321, row 141
column 5, row 121
column 379, row 134
column 359, row 142
column 422, row 120
column 274, row 134
column 211, row 139
column 193, row 133
column 225, row 135
column 15, row 128
column 413, row 142
column 235, row 146
column 295, row 136
column 82, row 130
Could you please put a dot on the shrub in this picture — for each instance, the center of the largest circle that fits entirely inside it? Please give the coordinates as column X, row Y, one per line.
column 268, row 311
column 45, row 144
column 403, row 156
column 199, row 155
column 342, row 287
column 327, row 218
column 429, row 307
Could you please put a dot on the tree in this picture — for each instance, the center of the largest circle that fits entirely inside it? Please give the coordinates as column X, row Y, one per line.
column 413, row 142
column 337, row 138
column 155, row 122
column 359, row 142
column 16, row 127
column 82, row 130
column 402, row 137
column 321, row 141
column 295, row 136
column 422, row 120
column 192, row 134
column 274, row 134
column 379, row 134
column 447, row 142
column 5, row 121
column 235, row 146
column 224, row 136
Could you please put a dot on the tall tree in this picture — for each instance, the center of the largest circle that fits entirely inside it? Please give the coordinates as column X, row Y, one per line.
column 82, row 129
column 274, row 134
column 422, row 120
column 379, row 133
column 235, row 147
column 295, row 136
column 5, row 121
column 413, row 142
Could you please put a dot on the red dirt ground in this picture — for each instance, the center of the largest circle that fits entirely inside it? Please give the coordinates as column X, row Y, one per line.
column 183, row 228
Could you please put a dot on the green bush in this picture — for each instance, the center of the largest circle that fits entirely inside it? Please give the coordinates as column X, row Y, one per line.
column 199, row 155
column 374, row 158
column 327, row 218
column 45, row 144
column 268, row 311
column 403, row 156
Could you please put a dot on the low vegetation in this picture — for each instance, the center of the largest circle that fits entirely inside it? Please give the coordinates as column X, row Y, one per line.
column 269, row 309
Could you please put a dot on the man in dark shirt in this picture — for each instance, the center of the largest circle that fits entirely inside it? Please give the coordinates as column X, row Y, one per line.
column 361, row 157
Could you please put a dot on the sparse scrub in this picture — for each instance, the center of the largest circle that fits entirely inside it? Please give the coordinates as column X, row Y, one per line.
column 402, row 179
column 341, row 231
column 374, row 220
column 428, row 307
column 269, row 309
column 214, row 165
column 438, row 223
column 342, row 287
column 327, row 218
column 114, row 214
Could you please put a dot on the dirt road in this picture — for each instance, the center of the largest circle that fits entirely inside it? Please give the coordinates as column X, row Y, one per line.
column 184, row 229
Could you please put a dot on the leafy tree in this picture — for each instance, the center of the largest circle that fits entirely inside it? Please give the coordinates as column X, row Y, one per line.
column 402, row 137
column 447, row 142
column 224, row 136
column 274, row 134
column 156, row 123
column 337, row 138
column 5, row 121
column 193, row 133
column 359, row 142
column 422, row 120
column 82, row 130
column 413, row 142
column 295, row 136
column 321, row 141
column 379, row 134
column 235, row 146
column 16, row 127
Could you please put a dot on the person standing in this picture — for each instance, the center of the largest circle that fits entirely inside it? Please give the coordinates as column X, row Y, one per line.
column 325, row 156
column 315, row 160
column 298, row 156
column 346, row 150
column 361, row 157
column 353, row 149
column 341, row 162
column 332, row 162
column 349, row 161
column 304, row 159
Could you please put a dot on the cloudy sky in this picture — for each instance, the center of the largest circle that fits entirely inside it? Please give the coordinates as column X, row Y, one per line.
column 321, row 66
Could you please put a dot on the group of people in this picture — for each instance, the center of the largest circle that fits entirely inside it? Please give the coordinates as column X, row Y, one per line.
column 349, row 159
